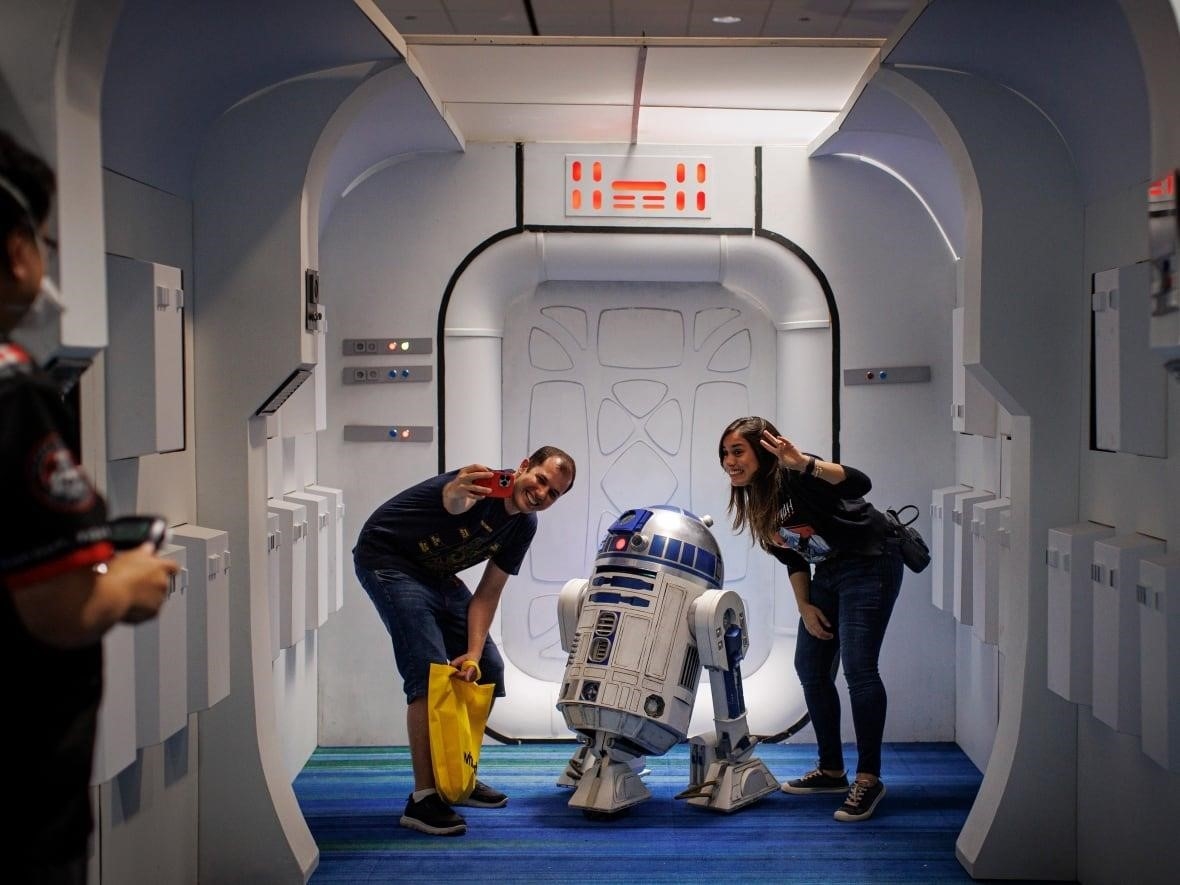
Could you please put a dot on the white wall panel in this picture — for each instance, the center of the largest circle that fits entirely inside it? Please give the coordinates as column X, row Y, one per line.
column 963, row 602
column 1159, row 635
column 317, row 546
column 1114, row 575
column 292, row 557
column 989, row 546
column 942, row 546
column 115, row 745
column 337, row 554
column 145, row 358
column 208, row 556
column 1069, row 558
column 274, row 580
column 161, row 661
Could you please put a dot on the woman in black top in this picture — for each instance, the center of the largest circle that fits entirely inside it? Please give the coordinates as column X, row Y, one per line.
column 810, row 514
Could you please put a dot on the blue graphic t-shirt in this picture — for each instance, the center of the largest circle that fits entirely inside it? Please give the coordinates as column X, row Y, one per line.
column 413, row 533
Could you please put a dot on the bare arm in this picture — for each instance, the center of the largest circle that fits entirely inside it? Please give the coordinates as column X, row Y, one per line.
column 480, row 612
column 78, row 607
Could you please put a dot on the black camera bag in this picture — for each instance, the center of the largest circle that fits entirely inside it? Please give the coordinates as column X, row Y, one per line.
column 914, row 552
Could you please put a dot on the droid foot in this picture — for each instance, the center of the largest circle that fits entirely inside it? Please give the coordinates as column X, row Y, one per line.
column 576, row 767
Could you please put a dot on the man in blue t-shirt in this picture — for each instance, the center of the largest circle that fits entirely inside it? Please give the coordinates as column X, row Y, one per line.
column 407, row 558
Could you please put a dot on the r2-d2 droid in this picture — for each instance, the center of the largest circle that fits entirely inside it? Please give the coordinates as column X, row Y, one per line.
column 638, row 633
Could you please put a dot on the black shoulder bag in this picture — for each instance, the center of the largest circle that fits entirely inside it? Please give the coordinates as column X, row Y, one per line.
column 914, row 552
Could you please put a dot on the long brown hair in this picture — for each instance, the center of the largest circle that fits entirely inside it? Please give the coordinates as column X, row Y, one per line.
column 757, row 504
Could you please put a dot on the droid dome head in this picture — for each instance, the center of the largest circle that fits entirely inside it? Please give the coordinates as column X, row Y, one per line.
column 668, row 538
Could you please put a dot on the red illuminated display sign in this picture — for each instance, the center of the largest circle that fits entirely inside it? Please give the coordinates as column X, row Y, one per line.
column 637, row 186
column 1163, row 188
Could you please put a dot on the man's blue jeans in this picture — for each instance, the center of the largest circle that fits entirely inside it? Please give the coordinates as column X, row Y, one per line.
column 856, row 594
column 427, row 623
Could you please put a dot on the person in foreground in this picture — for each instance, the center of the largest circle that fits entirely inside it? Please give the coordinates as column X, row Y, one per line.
column 407, row 558
column 61, row 584
column 807, row 512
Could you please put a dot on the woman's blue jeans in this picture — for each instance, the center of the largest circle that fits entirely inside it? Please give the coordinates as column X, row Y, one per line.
column 856, row 594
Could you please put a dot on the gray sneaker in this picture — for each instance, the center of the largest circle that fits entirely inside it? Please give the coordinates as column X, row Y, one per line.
column 484, row 796
column 861, row 801
column 816, row 782
column 432, row 816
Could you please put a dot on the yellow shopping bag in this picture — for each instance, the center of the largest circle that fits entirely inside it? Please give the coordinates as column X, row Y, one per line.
column 458, row 714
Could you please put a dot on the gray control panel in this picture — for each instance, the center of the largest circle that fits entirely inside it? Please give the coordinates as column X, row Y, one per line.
column 388, row 433
column 887, row 375
column 387, row 346
column 386, row 374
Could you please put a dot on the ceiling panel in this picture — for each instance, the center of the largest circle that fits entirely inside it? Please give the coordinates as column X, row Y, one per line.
column 543, row 123
column 792, row 77
column 531, row 74
column 729, row 126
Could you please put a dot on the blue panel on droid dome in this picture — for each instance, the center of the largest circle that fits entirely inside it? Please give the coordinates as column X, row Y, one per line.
column 631, row 521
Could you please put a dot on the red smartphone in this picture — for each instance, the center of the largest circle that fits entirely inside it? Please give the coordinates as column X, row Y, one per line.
column 500, row 483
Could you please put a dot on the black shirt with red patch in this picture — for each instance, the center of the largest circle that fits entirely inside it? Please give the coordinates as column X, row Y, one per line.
column 54, row 522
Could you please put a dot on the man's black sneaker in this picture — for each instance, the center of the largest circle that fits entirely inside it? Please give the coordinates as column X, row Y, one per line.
column 816, row 782
column 861, row 801
column 484, row 796
column 433, row 816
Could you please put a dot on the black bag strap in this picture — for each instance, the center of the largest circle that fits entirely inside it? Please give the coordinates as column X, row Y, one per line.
column 897, row 514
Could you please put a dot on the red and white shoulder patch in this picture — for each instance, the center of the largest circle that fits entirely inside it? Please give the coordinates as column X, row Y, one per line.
column 14, row 360
column 56, row 479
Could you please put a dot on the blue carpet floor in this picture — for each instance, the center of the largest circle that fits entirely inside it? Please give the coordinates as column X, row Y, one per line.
column 352, row 799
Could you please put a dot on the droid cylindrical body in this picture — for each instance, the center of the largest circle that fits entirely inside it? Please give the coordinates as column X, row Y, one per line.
column 633, row 666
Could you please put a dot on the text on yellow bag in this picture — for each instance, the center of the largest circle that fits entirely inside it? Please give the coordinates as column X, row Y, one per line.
column 458, row 715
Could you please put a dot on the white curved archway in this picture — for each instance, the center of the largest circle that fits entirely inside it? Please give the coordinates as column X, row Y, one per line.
column 779, row 281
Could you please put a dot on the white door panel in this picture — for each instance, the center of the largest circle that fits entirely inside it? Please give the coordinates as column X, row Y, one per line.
column 636, row 381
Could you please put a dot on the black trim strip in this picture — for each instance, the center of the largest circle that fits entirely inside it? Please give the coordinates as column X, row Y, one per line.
column 532, row 17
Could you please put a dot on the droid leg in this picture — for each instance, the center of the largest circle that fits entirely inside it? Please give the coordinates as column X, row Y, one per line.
column 611, row 784
column 578, row 763
column 569, row 608
column 724, row 773
column 583, row 758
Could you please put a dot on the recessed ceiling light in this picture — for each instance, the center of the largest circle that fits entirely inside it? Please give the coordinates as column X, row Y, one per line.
column 727, row 19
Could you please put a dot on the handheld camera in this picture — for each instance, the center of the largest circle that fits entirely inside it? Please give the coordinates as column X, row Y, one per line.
column 128, row 532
